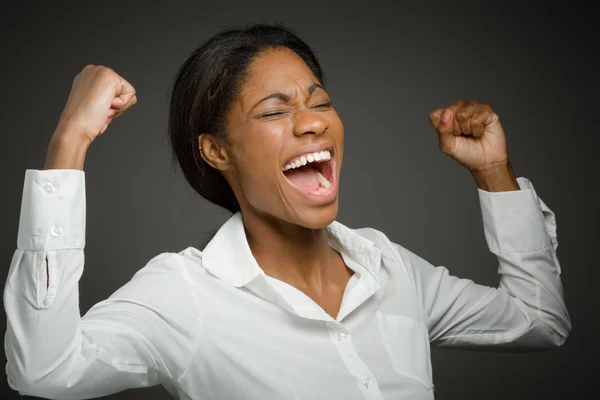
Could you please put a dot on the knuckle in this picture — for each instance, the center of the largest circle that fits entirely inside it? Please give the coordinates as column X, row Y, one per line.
column 105, row 71
column 462, row 115
column 109, row 76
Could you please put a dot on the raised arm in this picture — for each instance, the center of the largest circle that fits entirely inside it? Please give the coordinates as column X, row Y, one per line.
column 53, row 352
column 527, row 310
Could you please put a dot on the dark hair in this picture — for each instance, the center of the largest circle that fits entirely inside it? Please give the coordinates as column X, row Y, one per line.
column 203, row 90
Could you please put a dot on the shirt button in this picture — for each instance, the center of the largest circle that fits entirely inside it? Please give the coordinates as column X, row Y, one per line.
column 366, row 381
column 55, row 231
column 342, row 337
column 50, row 188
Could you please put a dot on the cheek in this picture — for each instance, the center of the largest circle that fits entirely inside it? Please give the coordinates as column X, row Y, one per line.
column 258, row 163
column 266, row 140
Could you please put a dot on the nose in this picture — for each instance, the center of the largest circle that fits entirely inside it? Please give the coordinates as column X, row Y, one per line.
column 311, row 122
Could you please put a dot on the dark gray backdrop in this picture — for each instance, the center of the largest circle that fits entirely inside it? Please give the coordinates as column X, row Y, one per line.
column 387, row 68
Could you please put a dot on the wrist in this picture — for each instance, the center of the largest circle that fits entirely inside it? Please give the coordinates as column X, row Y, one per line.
column 66, row 151
column 499, row 178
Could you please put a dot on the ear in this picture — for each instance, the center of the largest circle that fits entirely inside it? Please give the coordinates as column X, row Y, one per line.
column 214, row 151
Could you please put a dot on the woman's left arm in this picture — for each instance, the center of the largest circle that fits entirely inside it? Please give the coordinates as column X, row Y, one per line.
column 527, row 310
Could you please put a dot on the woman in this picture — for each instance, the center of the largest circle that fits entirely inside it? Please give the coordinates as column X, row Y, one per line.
column 284, row 302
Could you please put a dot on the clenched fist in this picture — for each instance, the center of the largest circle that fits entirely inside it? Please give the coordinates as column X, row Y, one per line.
column 470, row 132
column 98, row 95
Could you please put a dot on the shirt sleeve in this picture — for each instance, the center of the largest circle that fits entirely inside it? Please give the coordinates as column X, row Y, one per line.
column 527, row 310
column 140, row 336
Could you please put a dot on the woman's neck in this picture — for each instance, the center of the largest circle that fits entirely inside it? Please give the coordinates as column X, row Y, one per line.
column 297, row 255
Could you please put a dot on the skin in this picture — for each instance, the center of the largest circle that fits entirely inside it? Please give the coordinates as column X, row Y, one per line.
column 285, row 232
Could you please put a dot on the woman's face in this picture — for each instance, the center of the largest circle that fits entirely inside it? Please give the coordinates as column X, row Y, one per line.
column 287, row 143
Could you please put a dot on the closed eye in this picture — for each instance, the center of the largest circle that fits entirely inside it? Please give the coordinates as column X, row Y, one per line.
column 324, row 105
column 271, row 114
column 277, row 113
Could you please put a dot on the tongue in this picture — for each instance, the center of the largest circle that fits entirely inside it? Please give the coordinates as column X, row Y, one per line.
column 303, row 177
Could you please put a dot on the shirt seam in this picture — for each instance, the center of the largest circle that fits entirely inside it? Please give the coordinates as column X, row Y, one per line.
column 52, row 249
column 540, row 313
column 520, row 251
column 540, row 322
column 130, row 330
column 189, row 363
column 399, row 260
column 115, row 363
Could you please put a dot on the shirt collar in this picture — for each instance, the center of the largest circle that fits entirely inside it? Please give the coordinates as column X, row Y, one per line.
column 229, row 258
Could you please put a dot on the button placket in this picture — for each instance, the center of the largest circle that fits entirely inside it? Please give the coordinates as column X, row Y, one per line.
column 343, row 340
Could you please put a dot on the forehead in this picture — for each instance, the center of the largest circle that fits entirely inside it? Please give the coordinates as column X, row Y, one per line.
column 277, row 70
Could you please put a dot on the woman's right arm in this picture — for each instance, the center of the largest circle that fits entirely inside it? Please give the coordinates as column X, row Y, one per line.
column 133, row 339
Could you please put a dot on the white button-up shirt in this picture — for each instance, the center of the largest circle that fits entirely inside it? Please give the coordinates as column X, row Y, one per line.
column 212, row 325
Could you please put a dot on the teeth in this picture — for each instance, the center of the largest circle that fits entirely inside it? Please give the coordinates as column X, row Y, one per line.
column 308, row 158
column 323, row 181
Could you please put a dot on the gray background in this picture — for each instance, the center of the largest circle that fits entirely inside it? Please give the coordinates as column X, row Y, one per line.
column 387, row 66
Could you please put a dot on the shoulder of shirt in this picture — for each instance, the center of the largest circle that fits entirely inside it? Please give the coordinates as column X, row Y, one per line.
column 175, row 275
column 182, row 264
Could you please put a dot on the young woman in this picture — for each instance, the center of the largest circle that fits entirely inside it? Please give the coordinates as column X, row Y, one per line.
column 284, row 302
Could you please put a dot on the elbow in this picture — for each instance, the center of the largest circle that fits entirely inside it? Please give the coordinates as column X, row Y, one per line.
column 29, row 385
column 559, row 330
column 23, row 384
column 565, row 332
column 559, row 339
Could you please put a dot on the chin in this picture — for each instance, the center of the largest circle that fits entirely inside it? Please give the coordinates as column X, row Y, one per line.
column 316, row 217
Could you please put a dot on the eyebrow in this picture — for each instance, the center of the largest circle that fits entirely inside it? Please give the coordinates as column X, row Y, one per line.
column 284, row 97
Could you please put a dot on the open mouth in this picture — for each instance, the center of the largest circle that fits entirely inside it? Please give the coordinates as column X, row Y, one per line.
column 313, row 173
